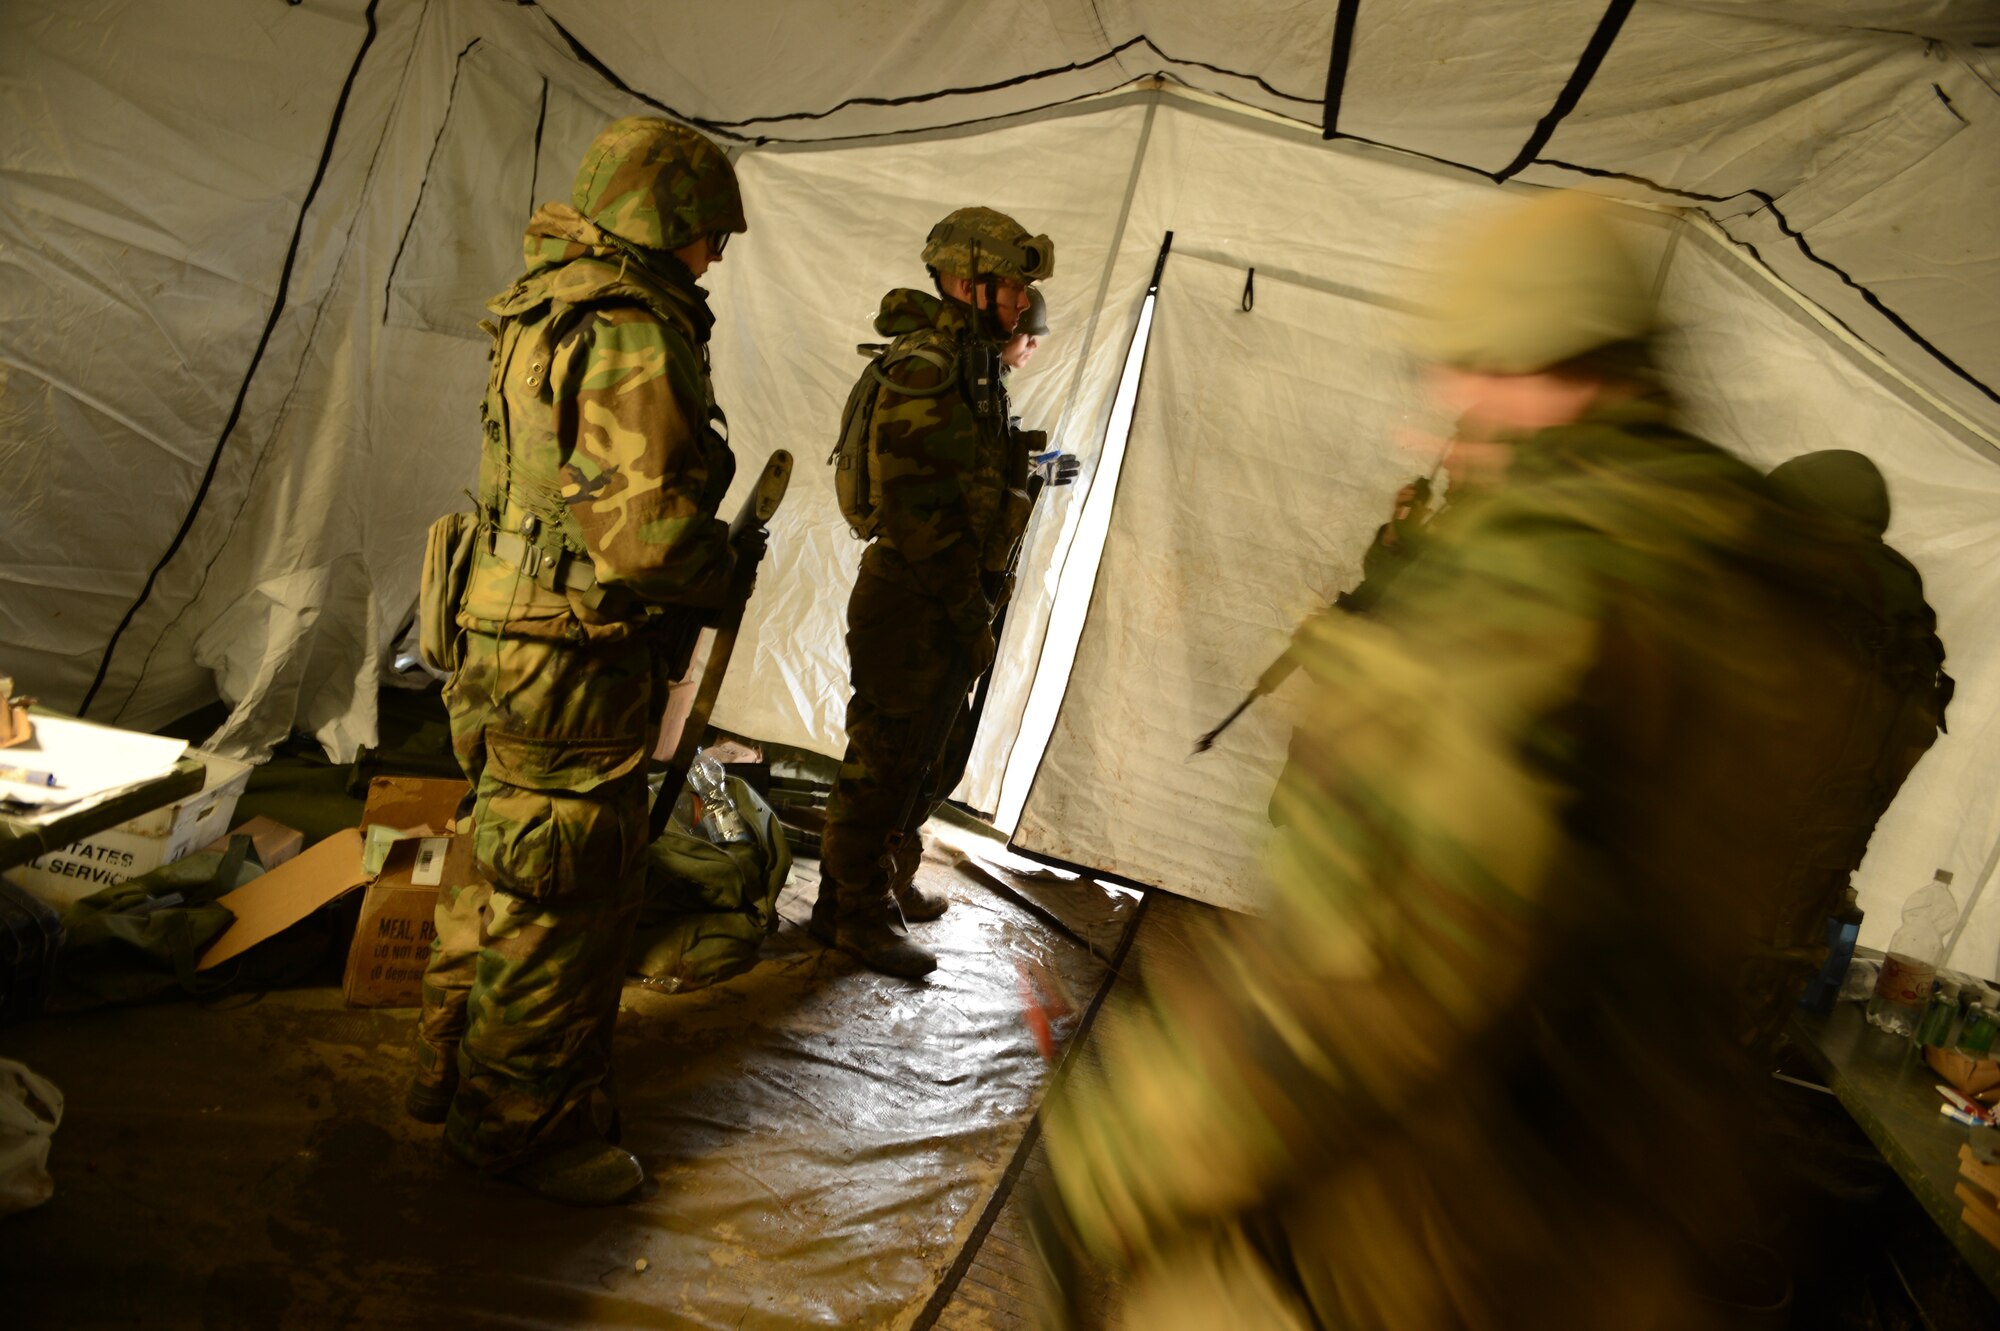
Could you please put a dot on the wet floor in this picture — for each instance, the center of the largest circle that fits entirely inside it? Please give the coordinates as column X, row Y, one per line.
column 824, row 1144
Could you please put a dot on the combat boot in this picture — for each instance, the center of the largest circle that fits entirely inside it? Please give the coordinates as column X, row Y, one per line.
column 919, row 906
column 876, row 945
column 588, row 1173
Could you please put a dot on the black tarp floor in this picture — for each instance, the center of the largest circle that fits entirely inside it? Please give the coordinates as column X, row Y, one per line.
column 827, row 1147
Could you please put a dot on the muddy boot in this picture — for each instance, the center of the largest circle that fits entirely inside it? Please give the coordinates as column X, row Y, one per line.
column 588, row 1173
column 917, row 904
column 920, row 906
column 874, row 943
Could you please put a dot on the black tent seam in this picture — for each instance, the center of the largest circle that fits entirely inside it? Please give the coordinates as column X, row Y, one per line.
column 1873, row 301
column 1344, row 136
column 1798, row 239
column 1587, row 64
column 1017, row 80
column 1336, row 68
column 535, row 171
column 762, row 141
column 450, row 103
column 1601, row 173
column 604, row 71
column 1003, row 1193
column 914, row 99
column 250, row 374
column 278, row 417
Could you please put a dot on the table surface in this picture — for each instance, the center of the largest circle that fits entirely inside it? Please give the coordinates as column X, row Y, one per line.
column 1885, row 1084
column 21, row 842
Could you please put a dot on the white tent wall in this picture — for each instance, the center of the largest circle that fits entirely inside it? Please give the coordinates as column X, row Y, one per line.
column 1201, row 581
column 147, row 229
column 1263, row 454
column 832, row 230
column 241, row 381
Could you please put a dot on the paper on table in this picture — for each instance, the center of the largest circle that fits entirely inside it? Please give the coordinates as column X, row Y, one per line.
column 85, row 759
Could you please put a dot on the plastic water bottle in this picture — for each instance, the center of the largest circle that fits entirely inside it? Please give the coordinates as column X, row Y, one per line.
column 1842, row 928
column 1904, row 988
column 720, row 822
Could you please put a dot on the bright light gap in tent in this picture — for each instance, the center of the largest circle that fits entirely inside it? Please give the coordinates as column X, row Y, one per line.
column 1072, row 598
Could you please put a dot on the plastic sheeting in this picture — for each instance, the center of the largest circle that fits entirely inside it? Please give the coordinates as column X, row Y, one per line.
column 823, row 1143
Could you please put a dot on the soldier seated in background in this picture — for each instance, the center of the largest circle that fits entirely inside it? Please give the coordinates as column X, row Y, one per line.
column 1483, row 1064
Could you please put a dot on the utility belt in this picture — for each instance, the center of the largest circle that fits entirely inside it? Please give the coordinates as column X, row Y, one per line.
column 564, row 570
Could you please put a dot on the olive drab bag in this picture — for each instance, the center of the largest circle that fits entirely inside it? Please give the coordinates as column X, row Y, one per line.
column 709, row 908
column 447, row 565
column 854, row 477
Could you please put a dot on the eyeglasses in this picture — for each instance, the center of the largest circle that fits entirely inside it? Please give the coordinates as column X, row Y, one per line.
column 716, row 241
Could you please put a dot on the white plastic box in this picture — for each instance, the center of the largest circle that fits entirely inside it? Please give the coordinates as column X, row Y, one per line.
column 141, row 844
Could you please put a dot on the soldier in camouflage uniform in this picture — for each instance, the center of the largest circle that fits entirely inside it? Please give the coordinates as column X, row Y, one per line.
column 1481, row 1065
column 597, row 550
column 950, row 476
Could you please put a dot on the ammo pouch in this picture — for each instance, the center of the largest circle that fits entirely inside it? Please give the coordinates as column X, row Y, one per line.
column 447, row 564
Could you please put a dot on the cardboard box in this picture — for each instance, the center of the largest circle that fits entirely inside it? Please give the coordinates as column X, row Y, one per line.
column 275, row 843
column 280, row 898
column 392, row 941
column 140, row 845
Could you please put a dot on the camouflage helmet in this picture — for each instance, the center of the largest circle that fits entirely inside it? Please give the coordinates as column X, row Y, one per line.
column 1532, row 287
column 977, row 242
column 657, row 185
column 1034, row 319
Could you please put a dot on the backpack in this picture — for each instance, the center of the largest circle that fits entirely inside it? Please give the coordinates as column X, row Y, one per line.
column 708, row 908
column 854, row 481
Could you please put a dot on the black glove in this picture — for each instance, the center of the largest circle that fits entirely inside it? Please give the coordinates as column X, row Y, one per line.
column 1055, row 468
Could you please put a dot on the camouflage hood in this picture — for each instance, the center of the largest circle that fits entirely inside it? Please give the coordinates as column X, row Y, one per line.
column 572, row 259
column 906, row 310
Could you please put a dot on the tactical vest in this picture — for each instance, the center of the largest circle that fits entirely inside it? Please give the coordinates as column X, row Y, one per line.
column 532, row 574
column 996, row 476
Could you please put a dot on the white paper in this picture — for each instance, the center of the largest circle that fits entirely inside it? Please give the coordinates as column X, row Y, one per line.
column 84, row 760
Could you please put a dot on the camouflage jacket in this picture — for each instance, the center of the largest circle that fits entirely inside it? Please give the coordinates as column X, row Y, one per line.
column 1481, row 1064
column 948, row 474
column 602, row 465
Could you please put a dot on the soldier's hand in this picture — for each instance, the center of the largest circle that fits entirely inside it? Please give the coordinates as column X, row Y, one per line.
column 1055, row 468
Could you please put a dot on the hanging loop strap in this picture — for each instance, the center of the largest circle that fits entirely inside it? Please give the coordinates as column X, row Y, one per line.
column 1249, row 290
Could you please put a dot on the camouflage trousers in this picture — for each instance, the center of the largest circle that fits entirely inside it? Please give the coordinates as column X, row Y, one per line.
column 906, row 669
column 521, row 992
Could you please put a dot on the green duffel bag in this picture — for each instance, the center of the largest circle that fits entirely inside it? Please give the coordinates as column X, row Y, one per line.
column 709, row 908
column 140, row 939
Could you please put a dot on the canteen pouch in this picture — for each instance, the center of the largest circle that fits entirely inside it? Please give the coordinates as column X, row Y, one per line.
column 447, row 564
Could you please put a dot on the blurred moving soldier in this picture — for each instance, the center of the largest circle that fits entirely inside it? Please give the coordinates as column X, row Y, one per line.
column 935, row 475
column 603, row 462
column 1482, row 1065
